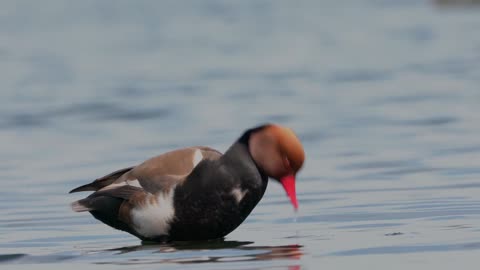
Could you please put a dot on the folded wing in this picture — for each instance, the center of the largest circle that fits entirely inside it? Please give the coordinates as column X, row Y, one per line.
column 135, row 198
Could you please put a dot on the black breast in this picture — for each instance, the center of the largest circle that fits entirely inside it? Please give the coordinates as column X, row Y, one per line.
column 205, row 207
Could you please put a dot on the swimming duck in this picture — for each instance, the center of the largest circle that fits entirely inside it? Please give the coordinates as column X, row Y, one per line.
column 196, row 193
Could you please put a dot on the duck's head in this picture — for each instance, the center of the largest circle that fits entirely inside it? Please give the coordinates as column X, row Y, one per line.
column 278, row 152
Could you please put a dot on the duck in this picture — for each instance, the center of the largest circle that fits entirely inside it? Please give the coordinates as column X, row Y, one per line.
column 196, row 193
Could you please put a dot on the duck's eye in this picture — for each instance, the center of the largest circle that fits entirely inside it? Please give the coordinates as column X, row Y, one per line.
column 286, row 163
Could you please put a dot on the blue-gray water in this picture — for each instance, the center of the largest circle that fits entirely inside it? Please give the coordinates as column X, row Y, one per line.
column 384, row 94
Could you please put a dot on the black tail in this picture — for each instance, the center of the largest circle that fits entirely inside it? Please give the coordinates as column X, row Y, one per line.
column 107, row 210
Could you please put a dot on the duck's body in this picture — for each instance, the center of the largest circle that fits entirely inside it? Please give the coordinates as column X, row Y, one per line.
column 193, row 193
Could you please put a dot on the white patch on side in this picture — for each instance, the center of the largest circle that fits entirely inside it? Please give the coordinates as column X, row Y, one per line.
column 238, row 194
column 197, row 157
column 153, row 219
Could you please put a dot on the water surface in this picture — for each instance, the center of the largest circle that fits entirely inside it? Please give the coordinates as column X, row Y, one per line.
column 384, row 94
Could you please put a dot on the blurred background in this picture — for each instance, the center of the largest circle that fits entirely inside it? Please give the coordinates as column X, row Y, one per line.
column 384, row 94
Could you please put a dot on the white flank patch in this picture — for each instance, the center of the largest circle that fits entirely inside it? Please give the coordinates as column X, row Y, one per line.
column 238, row 193
column 197, row 157
column 153, row 219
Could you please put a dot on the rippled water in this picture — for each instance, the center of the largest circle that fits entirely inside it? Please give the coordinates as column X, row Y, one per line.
column 384, row 94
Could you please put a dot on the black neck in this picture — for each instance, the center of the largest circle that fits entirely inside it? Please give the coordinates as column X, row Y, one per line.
column 239, row 158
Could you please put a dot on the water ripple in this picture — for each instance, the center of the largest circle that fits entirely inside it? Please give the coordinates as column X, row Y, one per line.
column 408, row 249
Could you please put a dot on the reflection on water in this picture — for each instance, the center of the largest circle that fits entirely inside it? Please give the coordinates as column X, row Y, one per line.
column 384, row 95
column 205, row 252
